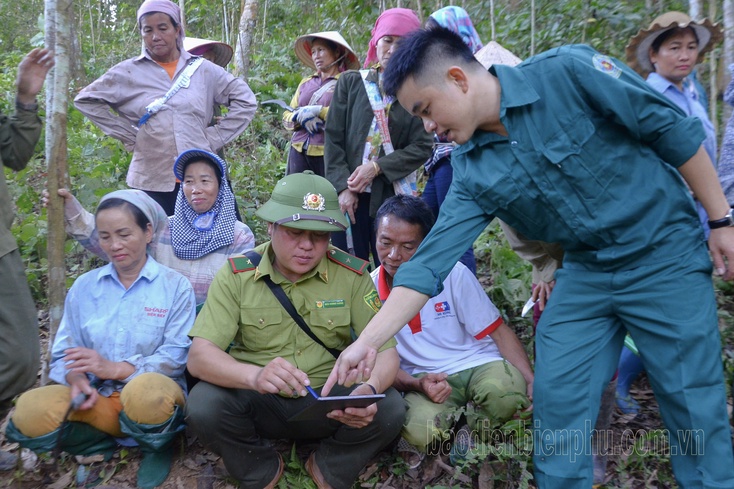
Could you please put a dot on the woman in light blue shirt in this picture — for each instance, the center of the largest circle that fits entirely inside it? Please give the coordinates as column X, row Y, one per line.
column 121, row 347
column 667, row 52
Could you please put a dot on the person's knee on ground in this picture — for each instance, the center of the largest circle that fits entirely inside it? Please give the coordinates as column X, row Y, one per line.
column 41, row 411
column 498, row 391
column 151, row 398
column 37, row 422
column 427, row 424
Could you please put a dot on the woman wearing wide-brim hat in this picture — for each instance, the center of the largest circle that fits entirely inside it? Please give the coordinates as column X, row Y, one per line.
column 639, row 48
column 329, row 54
column 217, row 52
column 666, row 54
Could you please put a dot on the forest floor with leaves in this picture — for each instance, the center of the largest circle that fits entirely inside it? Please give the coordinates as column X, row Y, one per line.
column 637, row 457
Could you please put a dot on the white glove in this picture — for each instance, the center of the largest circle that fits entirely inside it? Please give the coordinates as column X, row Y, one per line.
column 307, row 112
column 313, row 125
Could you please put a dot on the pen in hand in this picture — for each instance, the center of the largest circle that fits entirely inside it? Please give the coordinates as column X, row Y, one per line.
column 313, row 392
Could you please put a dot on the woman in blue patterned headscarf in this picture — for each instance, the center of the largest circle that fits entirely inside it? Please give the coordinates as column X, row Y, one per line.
column 202, row 233
column 457, row 20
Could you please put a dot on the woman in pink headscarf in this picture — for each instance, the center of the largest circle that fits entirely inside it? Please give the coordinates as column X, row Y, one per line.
column 366, row 164
column 148, row 104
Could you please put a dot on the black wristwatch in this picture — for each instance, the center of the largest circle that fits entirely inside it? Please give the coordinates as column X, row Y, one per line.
column 724, row 222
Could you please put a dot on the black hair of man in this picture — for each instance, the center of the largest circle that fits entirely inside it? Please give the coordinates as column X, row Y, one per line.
column 418, row 52
column 409, row 209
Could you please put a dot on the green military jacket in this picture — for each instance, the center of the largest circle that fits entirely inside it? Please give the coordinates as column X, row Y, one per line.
column 18, row 137
column 350, row 118
column 336, row 299
column 590, row 162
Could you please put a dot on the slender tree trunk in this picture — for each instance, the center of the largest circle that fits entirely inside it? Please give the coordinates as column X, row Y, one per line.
column 58, row 38
column 183, row 15
column 694, row 9
column 532, row 28
column 225, row 23
column 491, row 20
column 248, row 21
column 728, row 57
column 713, row 70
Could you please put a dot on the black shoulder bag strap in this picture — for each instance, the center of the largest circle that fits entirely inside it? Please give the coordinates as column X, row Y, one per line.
column 279, row 294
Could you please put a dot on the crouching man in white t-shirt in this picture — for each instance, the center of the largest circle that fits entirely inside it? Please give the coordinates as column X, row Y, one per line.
column 457, row 355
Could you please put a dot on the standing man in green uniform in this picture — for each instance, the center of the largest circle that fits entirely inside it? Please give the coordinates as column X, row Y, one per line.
column 19, row 352
column 249, row 392
column 573, row 147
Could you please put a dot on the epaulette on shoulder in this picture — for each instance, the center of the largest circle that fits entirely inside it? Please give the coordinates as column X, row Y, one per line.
column 240, row 264
column 351, row 262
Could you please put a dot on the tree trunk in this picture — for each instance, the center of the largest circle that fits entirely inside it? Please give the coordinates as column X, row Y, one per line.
column 532, row 28
column 491, row 20
column 713, row 69
column 694, row 9
column 58, row 38
column 248, row 21
column 183, row 16
column 728, row 57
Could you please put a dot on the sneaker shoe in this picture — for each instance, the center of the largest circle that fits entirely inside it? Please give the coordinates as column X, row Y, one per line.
column 410, row 454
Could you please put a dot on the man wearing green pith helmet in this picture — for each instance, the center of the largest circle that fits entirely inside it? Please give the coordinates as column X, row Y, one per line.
column 249, row 392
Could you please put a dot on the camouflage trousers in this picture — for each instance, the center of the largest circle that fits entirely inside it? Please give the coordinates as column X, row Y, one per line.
column 487, row 396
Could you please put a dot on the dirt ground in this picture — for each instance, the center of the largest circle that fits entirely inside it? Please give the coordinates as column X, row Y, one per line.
column 636, row 460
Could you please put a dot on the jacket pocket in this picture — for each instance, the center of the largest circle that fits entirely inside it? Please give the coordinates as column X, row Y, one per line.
column 331, row 325
column 583, row 164
column 260, row 327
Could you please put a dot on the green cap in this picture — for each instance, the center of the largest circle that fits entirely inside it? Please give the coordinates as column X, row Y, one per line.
column 304, row 201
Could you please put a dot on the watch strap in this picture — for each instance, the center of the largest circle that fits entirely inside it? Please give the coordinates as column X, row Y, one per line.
column 723, row 222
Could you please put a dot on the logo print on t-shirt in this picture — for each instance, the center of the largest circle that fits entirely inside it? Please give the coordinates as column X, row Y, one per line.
column 442, row 307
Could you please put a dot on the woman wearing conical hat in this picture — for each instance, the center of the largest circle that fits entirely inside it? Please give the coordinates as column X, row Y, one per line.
column 329, row 54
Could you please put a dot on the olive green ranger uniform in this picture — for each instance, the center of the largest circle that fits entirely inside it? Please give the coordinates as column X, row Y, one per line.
column 336, row 299
column 19, row 350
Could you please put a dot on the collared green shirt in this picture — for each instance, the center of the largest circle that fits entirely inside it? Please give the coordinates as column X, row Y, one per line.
column 590, row 162
column 241, row 311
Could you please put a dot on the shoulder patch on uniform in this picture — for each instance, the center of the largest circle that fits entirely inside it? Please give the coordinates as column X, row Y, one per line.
column 357, row 265
column 240, row 264
column 373, row 300
column 605, row 64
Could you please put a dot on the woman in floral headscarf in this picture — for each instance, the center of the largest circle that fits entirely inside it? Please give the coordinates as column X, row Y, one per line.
column 362, row 165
